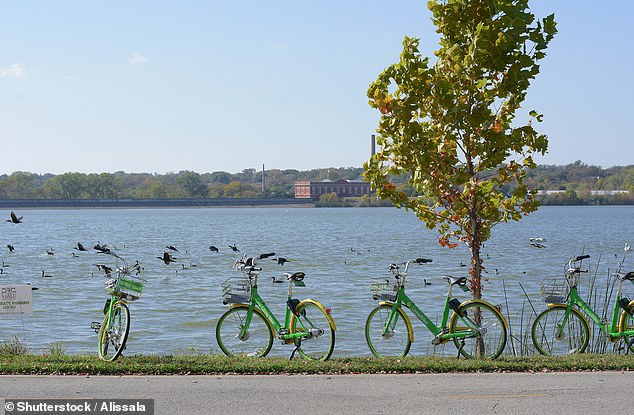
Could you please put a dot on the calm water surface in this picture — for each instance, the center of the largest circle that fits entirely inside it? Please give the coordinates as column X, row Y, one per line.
column 338, row 249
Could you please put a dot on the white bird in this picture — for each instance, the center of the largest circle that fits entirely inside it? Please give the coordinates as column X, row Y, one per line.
column 627, row 248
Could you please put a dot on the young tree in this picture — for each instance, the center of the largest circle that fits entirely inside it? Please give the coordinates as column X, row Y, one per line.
column 449, row 125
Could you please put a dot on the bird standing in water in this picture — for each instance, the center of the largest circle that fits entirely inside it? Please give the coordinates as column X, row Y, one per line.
column 167, row 258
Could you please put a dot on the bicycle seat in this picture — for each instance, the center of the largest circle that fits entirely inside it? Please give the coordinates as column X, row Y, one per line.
column 461, row 281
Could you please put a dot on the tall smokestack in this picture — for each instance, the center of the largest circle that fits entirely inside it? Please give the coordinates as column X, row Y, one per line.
column 373, row 145
column 262, row 177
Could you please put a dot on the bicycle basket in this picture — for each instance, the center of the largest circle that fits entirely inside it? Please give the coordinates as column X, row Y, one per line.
column 554, row 291
column 126, row 285
column 383, row 290
column 236, row 290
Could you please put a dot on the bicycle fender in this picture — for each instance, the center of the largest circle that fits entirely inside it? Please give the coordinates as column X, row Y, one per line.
column 333, row 326
column 549, row 305
column 405, row 318
column 238, row 305
column 625, row 314
column 498, row 312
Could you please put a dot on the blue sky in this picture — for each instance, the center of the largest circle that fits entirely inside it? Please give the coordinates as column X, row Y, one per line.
column 158, row 87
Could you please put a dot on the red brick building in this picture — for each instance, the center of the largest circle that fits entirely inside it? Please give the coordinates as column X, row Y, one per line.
column 343, row 188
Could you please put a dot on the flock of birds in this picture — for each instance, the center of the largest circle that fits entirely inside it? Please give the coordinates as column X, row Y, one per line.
column 171, row 254
column 168, row 256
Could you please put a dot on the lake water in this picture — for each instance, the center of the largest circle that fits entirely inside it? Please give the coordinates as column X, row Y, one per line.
column 338, row 249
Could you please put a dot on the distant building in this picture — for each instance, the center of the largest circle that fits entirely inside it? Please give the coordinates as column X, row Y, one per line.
column 343, row 188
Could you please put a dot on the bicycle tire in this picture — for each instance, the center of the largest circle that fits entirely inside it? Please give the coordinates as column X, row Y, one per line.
column 259, row 338
column 488, row 339
column 398, row 340
column 626, row 323
column 319, row 342
column 113, row 333
column 573, row 339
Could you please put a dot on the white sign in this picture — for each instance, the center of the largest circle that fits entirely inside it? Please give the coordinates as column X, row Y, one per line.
column 16, row 299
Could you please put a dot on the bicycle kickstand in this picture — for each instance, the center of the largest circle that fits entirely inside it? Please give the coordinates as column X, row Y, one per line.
column 298, row 344
column 460, row 348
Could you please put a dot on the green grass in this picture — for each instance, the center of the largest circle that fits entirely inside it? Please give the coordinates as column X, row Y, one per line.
column 14, row 347
column 214, row 364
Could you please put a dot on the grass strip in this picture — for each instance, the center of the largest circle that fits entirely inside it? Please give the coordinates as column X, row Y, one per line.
column 214, row 364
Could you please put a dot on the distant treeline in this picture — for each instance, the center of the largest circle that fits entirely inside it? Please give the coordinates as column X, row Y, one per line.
column 583, row 184
column 248, row 184
column 578, row 182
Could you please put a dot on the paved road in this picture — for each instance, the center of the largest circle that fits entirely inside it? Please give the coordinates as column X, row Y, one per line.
column 515, row 393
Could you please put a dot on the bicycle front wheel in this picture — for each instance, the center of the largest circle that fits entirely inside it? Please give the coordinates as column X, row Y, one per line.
column 237, row 339
column 556, row 333
column 318, row 340
column 385, row 337
column 113, row 333
column 479, row 329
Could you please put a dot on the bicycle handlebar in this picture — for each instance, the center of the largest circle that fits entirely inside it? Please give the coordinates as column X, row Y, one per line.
column 248, row 264
column 395, row 267
column 571, row 270
column 126, row 269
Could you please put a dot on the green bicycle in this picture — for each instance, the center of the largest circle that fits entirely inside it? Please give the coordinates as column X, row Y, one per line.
column 476, row 327
column 562, row 328
column 124, row 288
column 249, row 326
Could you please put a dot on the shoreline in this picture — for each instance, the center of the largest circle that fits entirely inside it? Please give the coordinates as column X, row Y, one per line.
column 150, row 203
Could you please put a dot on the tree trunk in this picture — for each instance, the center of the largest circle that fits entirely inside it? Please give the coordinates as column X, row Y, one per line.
column 476, row 273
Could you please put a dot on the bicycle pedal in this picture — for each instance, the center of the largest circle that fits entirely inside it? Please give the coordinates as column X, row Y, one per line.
column 95, row 325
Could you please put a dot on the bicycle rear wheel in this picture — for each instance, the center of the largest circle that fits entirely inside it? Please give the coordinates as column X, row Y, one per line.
column 482, row 330
column 392, row 341
column 319, row 340
column 256, row 341
column 113, row 333
column 552, row 337
column 626, row 323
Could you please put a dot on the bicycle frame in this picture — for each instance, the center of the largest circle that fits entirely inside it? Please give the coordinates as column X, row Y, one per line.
column 440, row 332
column 281, row 330
column 610, row 329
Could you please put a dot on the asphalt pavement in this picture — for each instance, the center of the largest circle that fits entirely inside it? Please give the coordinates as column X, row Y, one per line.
column 477, row 393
